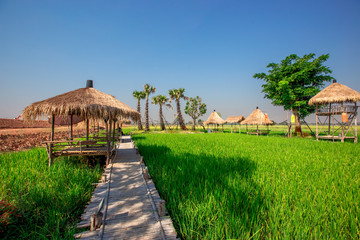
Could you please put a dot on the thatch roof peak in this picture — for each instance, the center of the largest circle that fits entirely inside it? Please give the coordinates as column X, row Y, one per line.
column 257, row 117
column 214, row 118
column 235, row 119
column 85, row 102
column 335, row 93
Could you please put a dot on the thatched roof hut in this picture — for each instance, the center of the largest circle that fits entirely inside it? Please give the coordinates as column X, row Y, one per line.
column 214, row 119
column 335, row 93
column 84, row 102
column 235, row 119
column 257, row 117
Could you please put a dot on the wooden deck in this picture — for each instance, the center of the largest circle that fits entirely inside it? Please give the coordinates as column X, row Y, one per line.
column 131, row 209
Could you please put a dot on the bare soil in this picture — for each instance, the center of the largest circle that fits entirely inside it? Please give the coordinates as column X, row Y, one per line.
column 16, row 135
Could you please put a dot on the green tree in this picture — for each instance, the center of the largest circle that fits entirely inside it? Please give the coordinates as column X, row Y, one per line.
column 139, row 95
column 162, row 101
column 292, row 82
column 195, row 108
column 177, row 94
column 147, row 90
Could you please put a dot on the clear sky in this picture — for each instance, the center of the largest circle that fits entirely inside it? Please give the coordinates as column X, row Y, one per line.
column 210, row 48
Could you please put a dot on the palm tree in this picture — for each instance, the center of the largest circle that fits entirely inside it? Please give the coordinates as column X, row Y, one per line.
column 147, row 90
column 161, row 100
column 177, row 94
column 139, row 95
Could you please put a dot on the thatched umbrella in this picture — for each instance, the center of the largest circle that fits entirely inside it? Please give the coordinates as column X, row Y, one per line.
column 214, row 118
column 257, row 117
column 235, row 119
column 341, row 100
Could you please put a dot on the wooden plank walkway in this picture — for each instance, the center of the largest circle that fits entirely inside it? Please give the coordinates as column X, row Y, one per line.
column 131, row 211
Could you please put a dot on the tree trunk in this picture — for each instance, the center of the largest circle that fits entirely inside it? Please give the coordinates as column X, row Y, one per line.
column 140, row 127
column 181, row 120
column 147, row 114
column 297, row 121
column 194, row 120
column 162, row 125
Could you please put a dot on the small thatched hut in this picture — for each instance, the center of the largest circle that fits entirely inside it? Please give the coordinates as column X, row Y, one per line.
column 214, row 118
column 336, row 99
column 257, row 117
column 86, row 103
column 234, row 120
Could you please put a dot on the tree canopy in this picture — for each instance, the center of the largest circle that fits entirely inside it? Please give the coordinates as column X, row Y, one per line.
column 195, row 108
column 292, row 82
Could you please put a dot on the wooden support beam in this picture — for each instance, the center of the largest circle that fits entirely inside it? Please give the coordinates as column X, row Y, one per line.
column 107, row 142
column 87, row 129
column 52, row 139
column 355, row 116
column 114, row 130
column 71, row 126
column 317, row 123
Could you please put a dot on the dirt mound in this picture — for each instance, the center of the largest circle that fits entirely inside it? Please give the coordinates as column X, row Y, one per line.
column 14, row 123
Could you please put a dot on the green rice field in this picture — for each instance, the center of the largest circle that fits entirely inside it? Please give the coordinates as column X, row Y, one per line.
column 38, row 202
column 226, row 186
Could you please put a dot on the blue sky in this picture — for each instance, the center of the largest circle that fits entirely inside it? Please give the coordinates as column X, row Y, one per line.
column 210, row 48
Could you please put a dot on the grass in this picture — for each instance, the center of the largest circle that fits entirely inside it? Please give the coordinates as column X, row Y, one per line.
column 222, row 186
column 46, row 202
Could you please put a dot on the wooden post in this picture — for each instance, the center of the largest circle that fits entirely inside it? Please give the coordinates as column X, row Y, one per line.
column 96, row 221
column 103, row 178
column 161, row 209
column 317, row 120
column 355, row 116
column 114, row 130
column 109, row 138
column 87, row 129
column 107, row 142
column 146, row 174
column 329, row 126
column 71, row 127
column 51, row 139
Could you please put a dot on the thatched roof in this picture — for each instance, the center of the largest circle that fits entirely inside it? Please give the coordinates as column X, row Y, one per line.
column 214, row 119
column 235, row 119
column 84, row 102
column 335, row 93
column 66, row 120
column 257, row 117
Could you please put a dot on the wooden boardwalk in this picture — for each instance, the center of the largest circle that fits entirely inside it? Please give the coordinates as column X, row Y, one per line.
column 131, row 209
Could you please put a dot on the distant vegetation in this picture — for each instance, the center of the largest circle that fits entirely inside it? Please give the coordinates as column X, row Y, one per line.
column 224, row 186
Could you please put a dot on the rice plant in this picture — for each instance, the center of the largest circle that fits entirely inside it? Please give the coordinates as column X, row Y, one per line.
column 223, row 186
column 48, row 201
